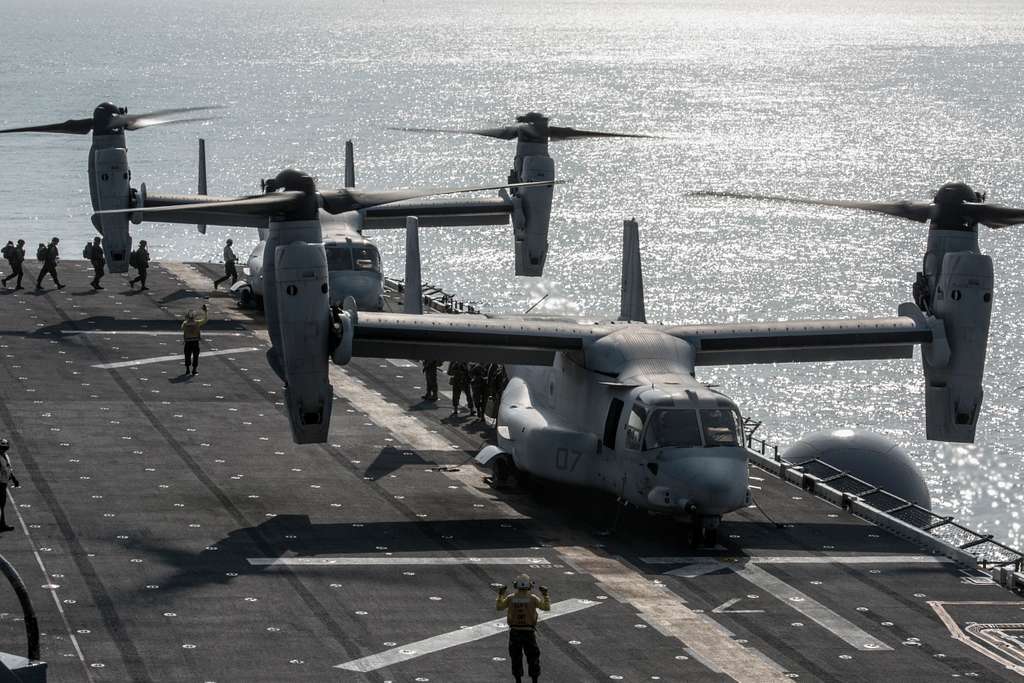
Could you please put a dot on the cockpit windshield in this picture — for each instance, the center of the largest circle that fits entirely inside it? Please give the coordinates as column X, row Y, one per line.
column 668, row 428
column 345, row 257
column 721, row 427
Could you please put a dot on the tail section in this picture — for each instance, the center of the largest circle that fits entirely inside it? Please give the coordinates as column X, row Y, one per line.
column 350, row 165
column 202, row 179
column 632, row 305
column 413, row 278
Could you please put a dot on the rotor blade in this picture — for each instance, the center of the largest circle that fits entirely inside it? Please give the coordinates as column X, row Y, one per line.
column 350, row 199
column 913, row 211
column 506, row 133
column 274, row 200
column 147, row 122
column 72, row 126
column 154, row 118
column 996, row 216
column 561, row 133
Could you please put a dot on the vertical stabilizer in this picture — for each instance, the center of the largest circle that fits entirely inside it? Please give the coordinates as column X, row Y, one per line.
column 413, row 279
column 350, row 165
column 632, row 306
column 202, row 179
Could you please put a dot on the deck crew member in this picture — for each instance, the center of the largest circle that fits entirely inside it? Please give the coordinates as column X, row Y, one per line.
column 6, row 477
column 141, row 263
column 478, row 384
column 15, row 255
column 96, row 258
column 522, row 609
column 430, row 374
column 229, row 266
column 50, row 255
column 190, row 329
column 458, row 377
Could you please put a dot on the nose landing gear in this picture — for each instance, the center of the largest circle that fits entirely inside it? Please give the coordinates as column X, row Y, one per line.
column 703, row 532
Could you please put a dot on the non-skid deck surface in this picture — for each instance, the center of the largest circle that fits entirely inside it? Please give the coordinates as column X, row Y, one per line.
column 169, row 530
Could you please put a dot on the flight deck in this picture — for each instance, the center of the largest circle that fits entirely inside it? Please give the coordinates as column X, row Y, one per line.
column 169, row 530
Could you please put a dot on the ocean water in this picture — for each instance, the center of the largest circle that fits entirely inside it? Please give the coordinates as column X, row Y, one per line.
column 870, row 100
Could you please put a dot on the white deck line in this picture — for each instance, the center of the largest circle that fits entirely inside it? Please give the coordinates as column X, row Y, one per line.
column 165, row 359
column 391, row 561
column 812, row 609
column 402, row 363
column 404, row 653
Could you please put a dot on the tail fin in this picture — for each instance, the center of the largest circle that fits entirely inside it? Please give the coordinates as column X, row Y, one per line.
column 202, row 178
column 632, row 306
column 350, row 165
column 413, row 279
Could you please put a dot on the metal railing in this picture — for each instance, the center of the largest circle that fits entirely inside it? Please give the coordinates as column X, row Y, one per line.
column 435, row 298
column 916, row 523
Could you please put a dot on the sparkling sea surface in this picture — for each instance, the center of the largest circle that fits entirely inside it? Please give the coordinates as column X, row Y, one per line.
column 849, row 100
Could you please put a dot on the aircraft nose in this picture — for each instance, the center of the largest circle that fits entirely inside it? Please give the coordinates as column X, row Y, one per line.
column 715, row 481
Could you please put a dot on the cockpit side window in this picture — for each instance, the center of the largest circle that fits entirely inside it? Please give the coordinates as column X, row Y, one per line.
column 339, row 258
column 366, row 258
column 721, row 427
column 672, row 429
column 635, row 427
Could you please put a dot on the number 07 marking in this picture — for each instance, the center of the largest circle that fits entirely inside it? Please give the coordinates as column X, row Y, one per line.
column 563, row 459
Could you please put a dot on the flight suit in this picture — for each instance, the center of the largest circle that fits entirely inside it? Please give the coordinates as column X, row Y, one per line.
column 142, row 265
column 230, row 270
column 98, row 262
column 190, row 330
column 16, row 258
column 430, row 374
column 478, row 384
column 522, row 609
column 6, row 478
column 49, row 266
column 458, row 376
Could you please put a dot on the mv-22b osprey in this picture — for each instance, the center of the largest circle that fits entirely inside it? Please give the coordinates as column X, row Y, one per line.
column 616, row 406
column 303, row 331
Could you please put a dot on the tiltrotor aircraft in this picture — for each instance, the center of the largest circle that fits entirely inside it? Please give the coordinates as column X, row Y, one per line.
column 616, row 406
column 109, row 176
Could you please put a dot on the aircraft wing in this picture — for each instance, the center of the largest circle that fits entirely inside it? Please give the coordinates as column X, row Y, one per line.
column 440, row 213
column 477, row 338
column 805, row 340
column 526, row 341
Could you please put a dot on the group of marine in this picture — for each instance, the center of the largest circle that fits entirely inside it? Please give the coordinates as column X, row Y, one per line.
column 481, row 383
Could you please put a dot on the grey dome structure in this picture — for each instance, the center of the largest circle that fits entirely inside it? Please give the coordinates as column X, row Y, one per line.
column 867, row 456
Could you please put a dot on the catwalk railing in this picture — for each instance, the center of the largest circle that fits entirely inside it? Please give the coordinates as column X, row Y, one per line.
column 937, row 533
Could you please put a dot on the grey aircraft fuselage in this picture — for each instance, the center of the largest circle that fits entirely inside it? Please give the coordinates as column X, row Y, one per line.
column 627, row 416
column 353, row 265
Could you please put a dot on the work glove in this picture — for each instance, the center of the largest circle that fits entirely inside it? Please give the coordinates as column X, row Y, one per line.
column 17, row 484
column 544, row 590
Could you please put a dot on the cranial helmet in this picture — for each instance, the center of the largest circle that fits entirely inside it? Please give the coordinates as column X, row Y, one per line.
column 191, row 315
column 4, row 443
column 523, row 582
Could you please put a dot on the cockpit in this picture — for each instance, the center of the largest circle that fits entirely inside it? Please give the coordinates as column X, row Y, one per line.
column 649, row 429
column 345, row 256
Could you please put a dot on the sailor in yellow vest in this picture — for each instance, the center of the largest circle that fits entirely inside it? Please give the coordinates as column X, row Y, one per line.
column 190, row 329
column 522, row 609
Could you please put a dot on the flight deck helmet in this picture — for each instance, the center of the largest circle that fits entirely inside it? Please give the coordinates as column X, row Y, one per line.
column 523, row 582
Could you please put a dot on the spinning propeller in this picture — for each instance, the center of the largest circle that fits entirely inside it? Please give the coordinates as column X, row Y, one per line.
column 294, row 192
column 108, row 118
column 955, row 207
column 531, row 127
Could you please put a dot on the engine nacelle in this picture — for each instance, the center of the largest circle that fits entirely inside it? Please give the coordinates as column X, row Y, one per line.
column 109, row 180
column 532, row 213
column 962, row 300
column 303, row 311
